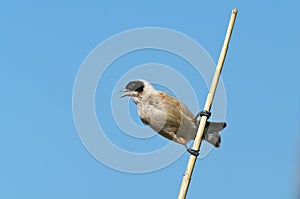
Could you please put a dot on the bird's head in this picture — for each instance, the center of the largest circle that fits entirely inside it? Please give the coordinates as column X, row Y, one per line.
column 136, row 89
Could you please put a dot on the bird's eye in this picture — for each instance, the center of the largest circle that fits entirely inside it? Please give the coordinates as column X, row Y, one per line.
column 140, row 89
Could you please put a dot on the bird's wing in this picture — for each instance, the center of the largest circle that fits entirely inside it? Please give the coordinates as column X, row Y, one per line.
column 179, row 118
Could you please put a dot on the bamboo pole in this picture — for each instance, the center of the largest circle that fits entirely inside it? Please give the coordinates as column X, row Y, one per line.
column 197, row 143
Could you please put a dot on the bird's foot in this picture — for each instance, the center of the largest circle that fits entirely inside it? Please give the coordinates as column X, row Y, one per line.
column 203, row 113
column 193, row 151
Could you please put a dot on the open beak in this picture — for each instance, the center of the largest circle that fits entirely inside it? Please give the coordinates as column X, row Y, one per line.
column 125, row 91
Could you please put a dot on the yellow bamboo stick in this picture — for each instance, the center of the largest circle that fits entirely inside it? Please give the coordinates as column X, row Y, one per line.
column 197, row 143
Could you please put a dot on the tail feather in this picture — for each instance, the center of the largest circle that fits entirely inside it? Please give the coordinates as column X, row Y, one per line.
column 215, row 126
column 212, row 132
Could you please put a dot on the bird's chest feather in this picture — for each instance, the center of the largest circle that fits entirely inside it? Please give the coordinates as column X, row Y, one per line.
column 144, row 113
column 152, row 113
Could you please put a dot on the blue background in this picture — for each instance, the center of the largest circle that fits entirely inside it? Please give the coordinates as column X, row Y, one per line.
column 44, row 43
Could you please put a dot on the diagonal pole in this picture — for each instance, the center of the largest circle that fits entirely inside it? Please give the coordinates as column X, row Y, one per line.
column 197, row 143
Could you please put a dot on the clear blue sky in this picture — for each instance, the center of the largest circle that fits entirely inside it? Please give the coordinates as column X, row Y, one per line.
column 42, row 47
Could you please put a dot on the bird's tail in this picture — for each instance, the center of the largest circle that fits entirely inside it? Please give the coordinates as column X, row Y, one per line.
column 212, row 132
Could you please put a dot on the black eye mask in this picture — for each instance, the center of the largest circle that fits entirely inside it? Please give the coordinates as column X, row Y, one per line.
column 135, row 86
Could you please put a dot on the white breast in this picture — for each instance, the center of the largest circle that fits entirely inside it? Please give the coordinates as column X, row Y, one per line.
column 157, row 116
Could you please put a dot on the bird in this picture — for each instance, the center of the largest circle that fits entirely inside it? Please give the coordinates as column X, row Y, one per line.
column 168, row 116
